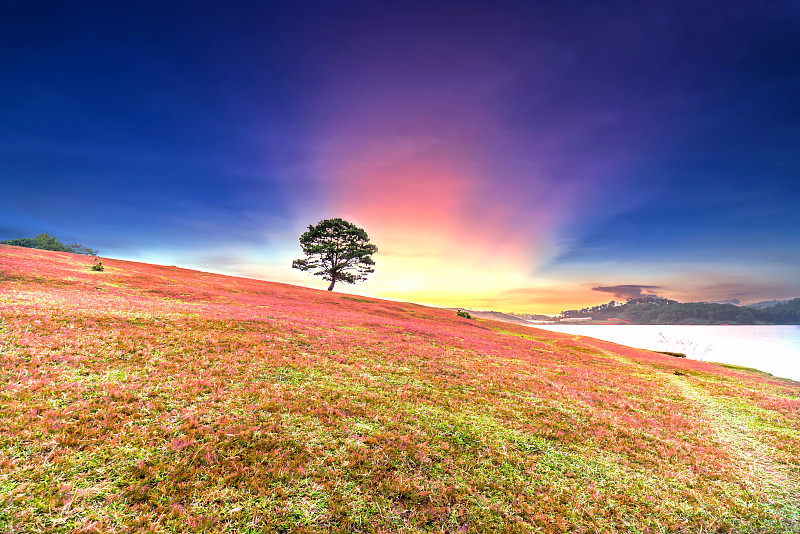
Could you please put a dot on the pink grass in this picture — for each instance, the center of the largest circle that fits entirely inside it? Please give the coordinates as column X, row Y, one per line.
column 167, row 399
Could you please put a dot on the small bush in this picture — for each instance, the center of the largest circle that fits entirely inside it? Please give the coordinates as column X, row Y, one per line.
column 98, row 266
column 464, row 314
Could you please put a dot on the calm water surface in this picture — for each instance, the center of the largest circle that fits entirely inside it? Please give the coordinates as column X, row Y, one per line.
column 774, row 349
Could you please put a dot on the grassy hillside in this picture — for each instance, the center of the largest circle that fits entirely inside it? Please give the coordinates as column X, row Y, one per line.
column 158, row 399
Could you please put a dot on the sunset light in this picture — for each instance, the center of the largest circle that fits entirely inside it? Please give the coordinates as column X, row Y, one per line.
column 509, row 156
column 400, row 267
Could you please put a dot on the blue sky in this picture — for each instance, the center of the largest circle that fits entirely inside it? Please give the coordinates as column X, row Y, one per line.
column 506, row 155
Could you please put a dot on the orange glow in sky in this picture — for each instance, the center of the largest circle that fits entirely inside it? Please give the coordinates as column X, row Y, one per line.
column 439, row 243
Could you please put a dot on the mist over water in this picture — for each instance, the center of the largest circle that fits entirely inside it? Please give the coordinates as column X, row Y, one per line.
column 771, row 348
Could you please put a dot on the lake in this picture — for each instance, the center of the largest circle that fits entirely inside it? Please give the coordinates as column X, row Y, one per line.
column 771, row 348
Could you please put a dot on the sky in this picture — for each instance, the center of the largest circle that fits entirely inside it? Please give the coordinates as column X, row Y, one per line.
column 519, row 156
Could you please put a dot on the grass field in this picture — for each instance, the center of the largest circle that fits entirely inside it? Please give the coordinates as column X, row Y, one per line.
column 157, row 399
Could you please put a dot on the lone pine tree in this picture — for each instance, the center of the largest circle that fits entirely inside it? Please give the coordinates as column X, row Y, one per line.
column 338, row 251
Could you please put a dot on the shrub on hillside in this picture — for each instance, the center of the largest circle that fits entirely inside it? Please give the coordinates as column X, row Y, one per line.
column 464, row 314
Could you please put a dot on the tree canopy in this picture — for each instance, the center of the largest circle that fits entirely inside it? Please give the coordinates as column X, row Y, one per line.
column 338, row 251
column 48, row 242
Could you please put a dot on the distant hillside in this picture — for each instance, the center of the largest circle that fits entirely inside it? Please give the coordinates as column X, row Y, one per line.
column 654, row 310
column 498, row 316
column 533, row 316
column 146, row 398
column 766, row 303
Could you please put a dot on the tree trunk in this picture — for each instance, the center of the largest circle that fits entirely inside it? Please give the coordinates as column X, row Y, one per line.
column 330, row 287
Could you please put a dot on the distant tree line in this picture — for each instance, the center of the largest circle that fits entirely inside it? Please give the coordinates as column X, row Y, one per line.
column 784, row 313
column 48, row 242
column 656, row 310
column 610, row 309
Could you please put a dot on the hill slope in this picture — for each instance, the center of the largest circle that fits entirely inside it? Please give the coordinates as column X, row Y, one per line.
column 167, row 400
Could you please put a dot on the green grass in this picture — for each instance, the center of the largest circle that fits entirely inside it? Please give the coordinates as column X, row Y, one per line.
column 267, row 408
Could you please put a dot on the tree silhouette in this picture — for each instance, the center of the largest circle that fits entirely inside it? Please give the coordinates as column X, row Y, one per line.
column 338, row 251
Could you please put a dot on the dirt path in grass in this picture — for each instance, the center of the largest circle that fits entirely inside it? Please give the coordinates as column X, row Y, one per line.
column 732, row 430
column 756, row 458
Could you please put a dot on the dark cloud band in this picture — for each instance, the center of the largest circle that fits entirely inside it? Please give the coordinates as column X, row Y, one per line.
column 628, row 290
